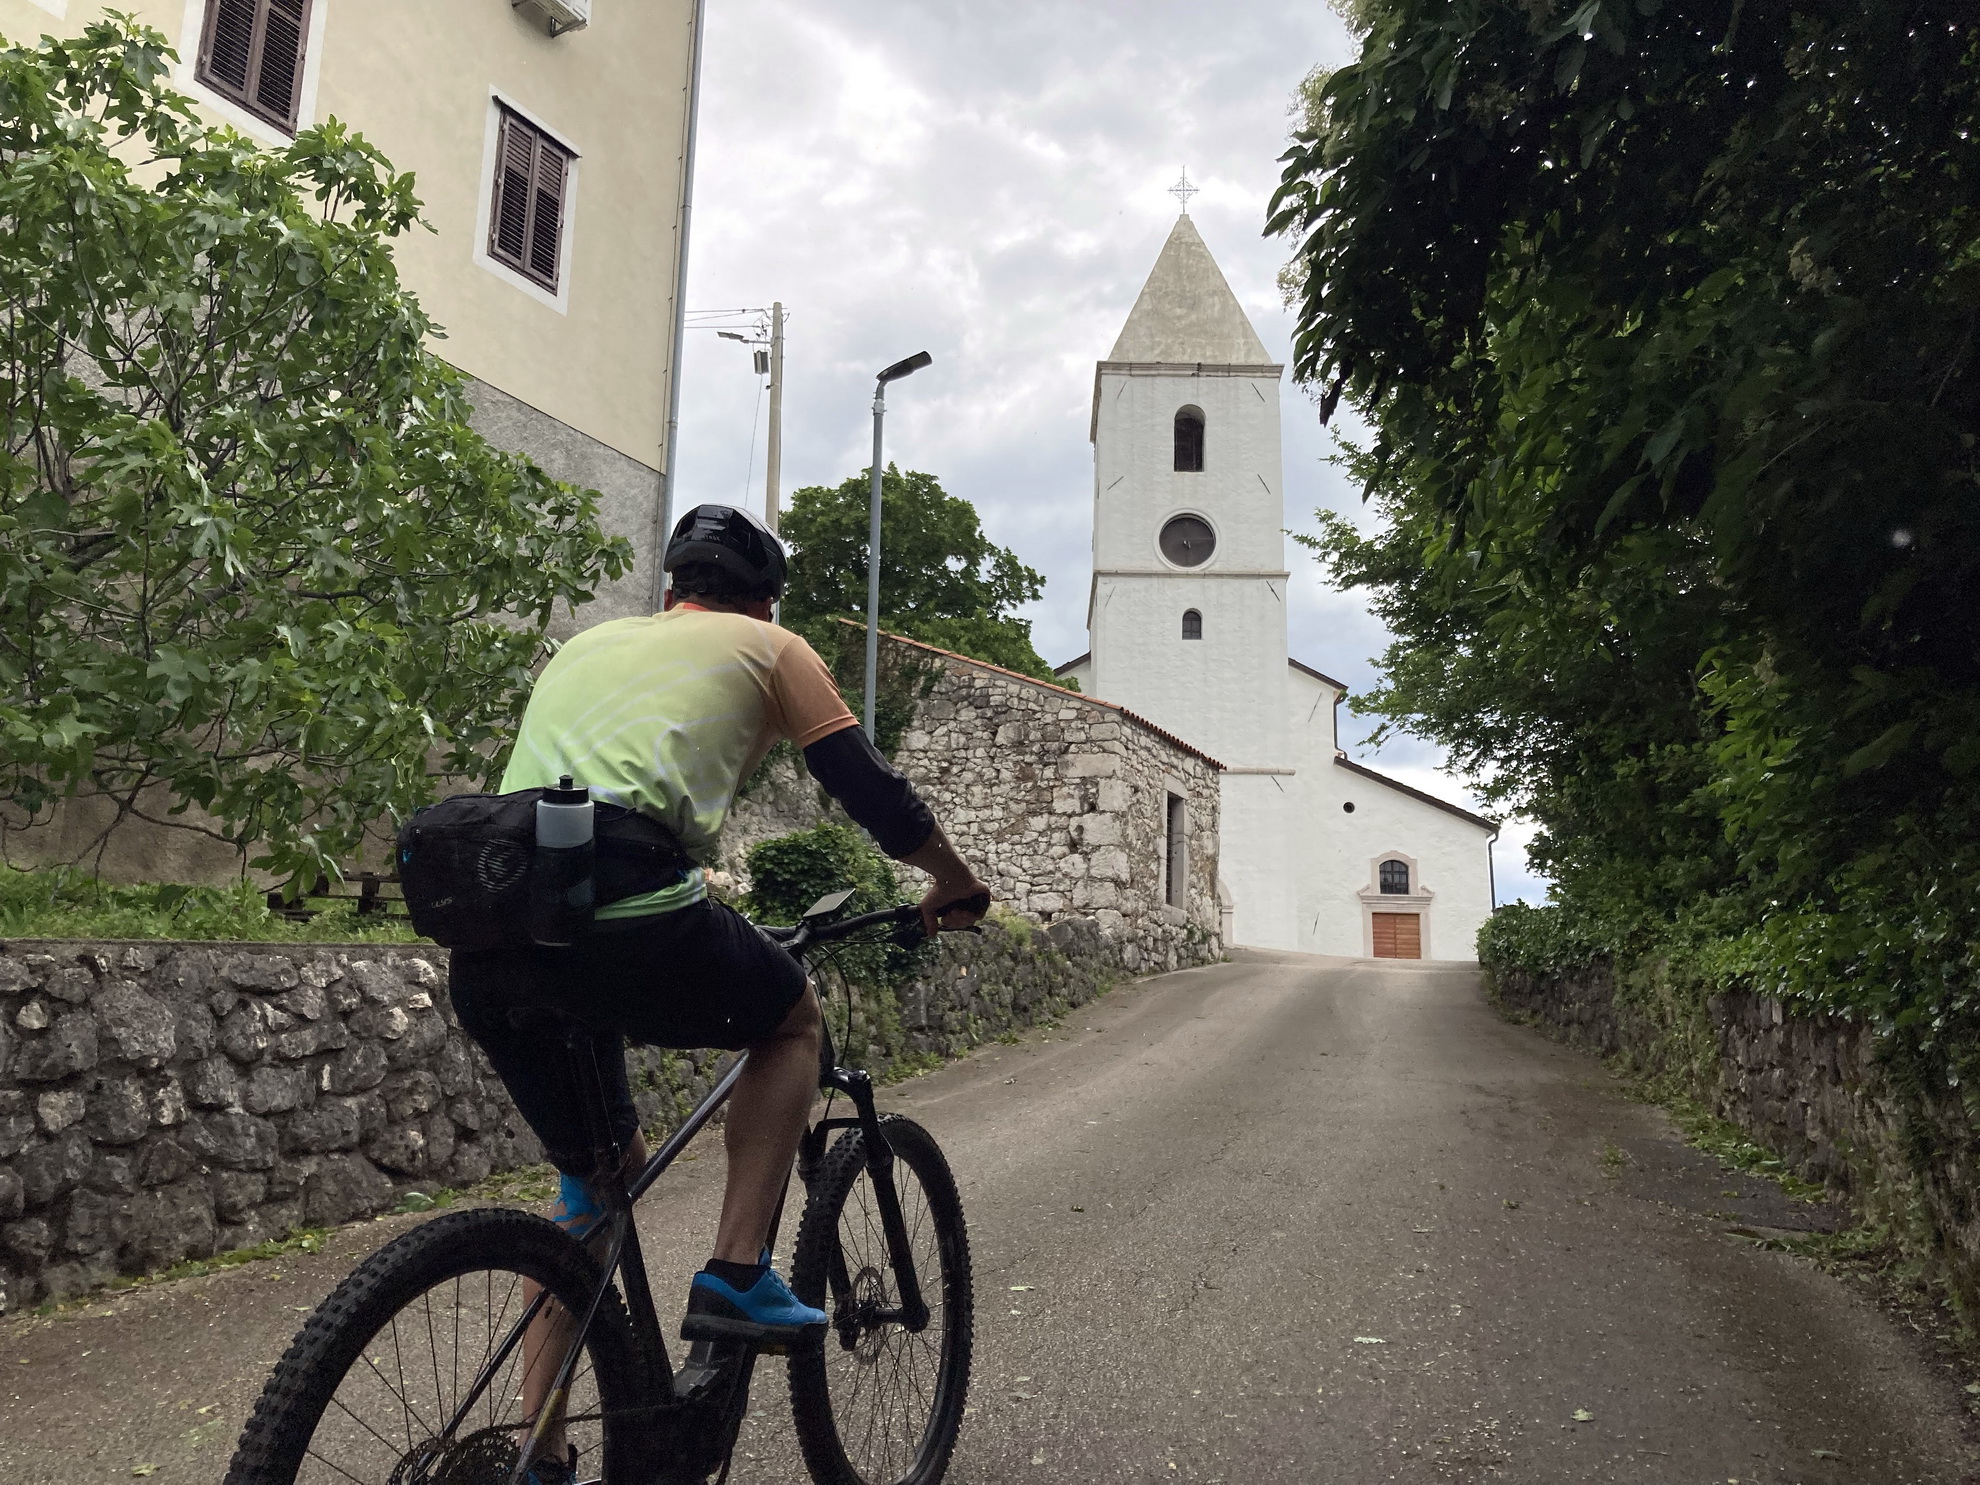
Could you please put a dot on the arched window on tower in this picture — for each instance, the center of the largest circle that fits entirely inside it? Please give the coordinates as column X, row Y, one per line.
column 1189, row 440
column 1192, row 624
column 1394, row 878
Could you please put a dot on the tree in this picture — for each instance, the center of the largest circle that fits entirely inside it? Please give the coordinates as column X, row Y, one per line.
column 258, row 577
column 1662, row 314
column 941, row 579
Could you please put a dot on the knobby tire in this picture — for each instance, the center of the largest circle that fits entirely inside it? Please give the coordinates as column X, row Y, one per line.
column 835, row 1389
column 276, row 1443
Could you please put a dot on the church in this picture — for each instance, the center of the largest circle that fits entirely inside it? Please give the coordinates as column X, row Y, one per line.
column 1186, row 622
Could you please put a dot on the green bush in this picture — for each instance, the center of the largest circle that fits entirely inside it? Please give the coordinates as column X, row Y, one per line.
column 788, row 874
column 860, row 982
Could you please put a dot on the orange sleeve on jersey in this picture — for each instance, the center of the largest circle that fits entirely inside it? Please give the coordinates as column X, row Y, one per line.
column 806, row 697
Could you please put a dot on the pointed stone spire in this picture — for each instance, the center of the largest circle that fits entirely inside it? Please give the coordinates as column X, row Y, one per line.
column 1187, row 313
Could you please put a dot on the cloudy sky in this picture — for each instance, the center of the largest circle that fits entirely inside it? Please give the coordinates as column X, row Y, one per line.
column 989, row 183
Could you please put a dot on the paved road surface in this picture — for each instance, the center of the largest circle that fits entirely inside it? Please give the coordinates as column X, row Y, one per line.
column 1215, row 1185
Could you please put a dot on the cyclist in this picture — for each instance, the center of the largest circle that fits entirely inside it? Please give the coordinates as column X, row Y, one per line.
column 666, row 714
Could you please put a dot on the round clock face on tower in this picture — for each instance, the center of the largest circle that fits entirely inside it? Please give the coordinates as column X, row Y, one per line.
column 1188, row 541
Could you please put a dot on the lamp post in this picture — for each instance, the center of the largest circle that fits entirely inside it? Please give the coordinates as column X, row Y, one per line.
column 893, row 373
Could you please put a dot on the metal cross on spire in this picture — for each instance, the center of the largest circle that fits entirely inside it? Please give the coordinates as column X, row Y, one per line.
column 1182, row 190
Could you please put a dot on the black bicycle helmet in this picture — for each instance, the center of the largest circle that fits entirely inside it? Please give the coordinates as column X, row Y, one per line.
column 735, row 541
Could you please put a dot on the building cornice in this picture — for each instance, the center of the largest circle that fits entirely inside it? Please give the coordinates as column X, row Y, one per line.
column 1271, row 371
column 1190, row 572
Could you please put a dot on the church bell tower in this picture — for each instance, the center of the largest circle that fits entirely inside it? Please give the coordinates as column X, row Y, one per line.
column 1187, row 612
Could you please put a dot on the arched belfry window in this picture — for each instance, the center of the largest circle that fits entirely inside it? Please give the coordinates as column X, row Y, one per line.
column 1189, row 440
column 1192, row 624
column 1394, row 878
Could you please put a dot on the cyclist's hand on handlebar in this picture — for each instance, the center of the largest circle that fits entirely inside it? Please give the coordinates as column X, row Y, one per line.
column 953, row 903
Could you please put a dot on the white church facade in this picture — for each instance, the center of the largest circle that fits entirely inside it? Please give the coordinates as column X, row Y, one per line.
column 1186, row 619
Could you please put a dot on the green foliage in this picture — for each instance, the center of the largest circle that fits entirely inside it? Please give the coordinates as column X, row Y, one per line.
column 1662, row 315
column 258, row 577
column 70, row 904
column 942, row 580
column 788, row 874
column 861, row 981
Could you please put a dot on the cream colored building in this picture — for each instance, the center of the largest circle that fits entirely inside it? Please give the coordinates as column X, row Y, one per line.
column 569, row 339
column 561, row 308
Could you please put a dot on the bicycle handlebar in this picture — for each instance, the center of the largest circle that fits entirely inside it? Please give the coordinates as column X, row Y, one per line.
column 902, row 918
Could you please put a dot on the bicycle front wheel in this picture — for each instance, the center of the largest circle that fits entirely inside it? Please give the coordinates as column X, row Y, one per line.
column 400, row 1376
column 877, row 1403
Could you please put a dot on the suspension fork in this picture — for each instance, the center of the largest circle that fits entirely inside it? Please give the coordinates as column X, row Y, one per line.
column 858, row 1086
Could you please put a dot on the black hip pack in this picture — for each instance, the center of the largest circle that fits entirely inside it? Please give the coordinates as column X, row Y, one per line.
column 473, row 877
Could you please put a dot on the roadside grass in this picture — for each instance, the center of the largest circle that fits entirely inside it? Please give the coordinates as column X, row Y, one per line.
column 72, row 904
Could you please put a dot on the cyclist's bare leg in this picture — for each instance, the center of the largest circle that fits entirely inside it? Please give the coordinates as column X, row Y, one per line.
column 767, row 1115
column 549, row 1334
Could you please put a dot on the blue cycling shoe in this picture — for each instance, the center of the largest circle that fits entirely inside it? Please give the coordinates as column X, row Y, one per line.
column 548, row 1471
column 765, row 1314
column 577, row 1206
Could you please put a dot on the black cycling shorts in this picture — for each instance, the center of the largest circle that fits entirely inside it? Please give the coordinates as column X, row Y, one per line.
column 701, row 976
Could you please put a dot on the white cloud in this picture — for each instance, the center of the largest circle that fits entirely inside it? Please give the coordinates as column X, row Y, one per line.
column 988, row 183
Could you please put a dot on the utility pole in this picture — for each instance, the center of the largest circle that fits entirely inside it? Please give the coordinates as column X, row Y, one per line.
column 774, row 456
column 895, row 372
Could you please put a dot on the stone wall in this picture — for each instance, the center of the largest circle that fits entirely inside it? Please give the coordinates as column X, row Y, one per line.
column 168, row 1101
column 160, row 1102
column 1814, row 1089
column 1058, row 800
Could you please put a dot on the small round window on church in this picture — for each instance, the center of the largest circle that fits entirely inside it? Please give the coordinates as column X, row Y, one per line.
column 1188, row 541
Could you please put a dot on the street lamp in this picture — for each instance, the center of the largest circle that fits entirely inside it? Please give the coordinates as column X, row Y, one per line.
column 893, row 373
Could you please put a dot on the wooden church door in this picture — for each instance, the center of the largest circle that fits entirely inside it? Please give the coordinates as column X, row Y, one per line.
column 1398, row 935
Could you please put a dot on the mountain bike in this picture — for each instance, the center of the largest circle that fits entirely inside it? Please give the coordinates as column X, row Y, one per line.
column 414, row 1370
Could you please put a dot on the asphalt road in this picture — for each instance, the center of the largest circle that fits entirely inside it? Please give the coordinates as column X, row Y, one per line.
column 1287, row 1219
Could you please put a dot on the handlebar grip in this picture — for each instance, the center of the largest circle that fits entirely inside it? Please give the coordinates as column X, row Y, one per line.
column 978, row 903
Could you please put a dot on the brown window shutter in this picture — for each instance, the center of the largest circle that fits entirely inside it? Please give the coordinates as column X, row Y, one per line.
column 547, row 212
column 515, row 164
column 526, row 227
column 280, row 73
column 252, row 51
column 228, row 54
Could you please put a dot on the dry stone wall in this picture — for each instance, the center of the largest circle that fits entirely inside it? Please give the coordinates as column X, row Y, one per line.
column 1059, row 800
column 1062, row 803
column 160, row 1102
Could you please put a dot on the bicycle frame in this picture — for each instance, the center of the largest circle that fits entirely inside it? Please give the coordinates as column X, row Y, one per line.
column 693, row 1406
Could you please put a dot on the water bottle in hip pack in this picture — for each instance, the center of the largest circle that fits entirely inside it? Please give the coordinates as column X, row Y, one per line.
column 476, row 876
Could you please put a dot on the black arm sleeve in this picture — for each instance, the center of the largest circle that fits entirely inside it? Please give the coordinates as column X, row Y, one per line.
column 880, row 801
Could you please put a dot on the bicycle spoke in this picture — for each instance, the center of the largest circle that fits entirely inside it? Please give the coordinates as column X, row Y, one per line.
column 385, row 1416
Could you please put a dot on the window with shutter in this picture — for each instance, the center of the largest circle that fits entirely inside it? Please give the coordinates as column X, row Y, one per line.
column 526, row 224
column 1176, row 891
column 252, row 53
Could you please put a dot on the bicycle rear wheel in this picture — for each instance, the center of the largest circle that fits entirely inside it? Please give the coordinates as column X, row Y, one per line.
column 876, row 1403
column 397, row 1378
